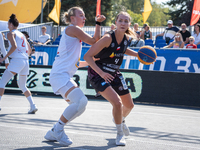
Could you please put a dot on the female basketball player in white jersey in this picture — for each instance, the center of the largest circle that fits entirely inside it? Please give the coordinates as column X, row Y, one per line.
column 19, row 49
column 64, row 67
column 104, row 74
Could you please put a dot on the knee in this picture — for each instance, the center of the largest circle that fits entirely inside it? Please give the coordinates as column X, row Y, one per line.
column 129, row 106
column 77, row 96
column 118, row 105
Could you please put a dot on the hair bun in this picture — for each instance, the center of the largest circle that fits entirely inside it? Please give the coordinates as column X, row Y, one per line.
column 13, row 16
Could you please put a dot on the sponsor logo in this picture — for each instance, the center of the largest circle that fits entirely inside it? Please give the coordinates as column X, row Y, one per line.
column 118, row 48
column 103, row 83
column 113, row 45
column 112, row 55
column 125, row 42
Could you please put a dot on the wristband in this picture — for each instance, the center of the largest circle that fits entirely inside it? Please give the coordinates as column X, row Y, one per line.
column 98, row 23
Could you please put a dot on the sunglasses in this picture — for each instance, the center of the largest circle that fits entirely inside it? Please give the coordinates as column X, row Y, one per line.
column 191, row 40
column 177, row 36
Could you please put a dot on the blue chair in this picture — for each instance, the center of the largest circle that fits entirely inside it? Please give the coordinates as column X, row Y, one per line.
column 159, row 37
column 160, row 45
column 198, row 46
column 150, row 44
column 160, row 41
column 149, row 41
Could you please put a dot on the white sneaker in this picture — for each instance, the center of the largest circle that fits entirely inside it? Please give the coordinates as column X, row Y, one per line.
column 120, row 141
column 33, row 109
column 125, row 129
column 61, row 137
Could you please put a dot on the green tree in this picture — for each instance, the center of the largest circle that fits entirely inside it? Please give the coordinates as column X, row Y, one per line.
column 180, row 11
column 135, row 18
column 89, row 7
column 158, row 16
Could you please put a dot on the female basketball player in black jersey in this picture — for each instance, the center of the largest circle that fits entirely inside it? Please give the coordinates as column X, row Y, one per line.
column 104, row 74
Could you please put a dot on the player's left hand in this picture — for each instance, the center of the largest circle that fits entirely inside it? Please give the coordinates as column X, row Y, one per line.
column 100, row 18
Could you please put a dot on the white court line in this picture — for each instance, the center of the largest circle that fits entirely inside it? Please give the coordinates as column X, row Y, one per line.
column 131, row 139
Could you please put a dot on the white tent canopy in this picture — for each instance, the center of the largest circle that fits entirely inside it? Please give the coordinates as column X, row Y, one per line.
column 4, row 25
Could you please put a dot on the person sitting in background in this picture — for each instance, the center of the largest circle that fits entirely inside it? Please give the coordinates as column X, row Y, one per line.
column 31, row 43
column 169, row 32
column 3, row 50
column 196, row 34
column 146, row 34
column 45, row 38
column 136, row 27
column 177, row 43
column 137, row 42
column 6, row 43
column 185, row 33
column 191, row 45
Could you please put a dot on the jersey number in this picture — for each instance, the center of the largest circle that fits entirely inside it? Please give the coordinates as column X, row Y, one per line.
column 22, row 42
column 116, row 61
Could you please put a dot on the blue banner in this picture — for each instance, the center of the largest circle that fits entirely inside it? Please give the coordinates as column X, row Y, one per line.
column 177, row 60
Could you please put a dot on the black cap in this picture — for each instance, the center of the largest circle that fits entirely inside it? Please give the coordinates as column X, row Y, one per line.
column 26, row 33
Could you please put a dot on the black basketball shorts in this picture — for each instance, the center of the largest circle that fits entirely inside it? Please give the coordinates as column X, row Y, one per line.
column 99, row 84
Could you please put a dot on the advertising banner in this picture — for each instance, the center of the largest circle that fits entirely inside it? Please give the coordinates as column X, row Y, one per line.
column 158, row 87
column 175, row 60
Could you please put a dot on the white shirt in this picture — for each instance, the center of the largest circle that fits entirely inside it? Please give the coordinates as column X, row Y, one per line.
column 68, row 55
column 197, row 38
column 2, row 47
column 44, row 38
column 22, row 48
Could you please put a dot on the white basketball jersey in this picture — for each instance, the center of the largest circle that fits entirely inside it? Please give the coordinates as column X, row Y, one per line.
column 68, row 55
column 22, row 48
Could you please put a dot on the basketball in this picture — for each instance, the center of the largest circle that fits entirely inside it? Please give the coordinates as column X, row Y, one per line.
column 147, row 55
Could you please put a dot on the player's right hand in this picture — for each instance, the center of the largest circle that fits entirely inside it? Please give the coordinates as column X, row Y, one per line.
column 107, row 77
column 100, row 18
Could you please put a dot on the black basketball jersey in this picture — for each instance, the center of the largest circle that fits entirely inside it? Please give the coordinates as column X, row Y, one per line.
column 111, row 58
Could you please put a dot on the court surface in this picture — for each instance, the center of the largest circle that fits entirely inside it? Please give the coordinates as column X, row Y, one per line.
column 152, row 127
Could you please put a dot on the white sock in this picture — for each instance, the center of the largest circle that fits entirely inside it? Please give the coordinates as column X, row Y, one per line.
column 59, row 126
column 30, row 99
column 119, row 129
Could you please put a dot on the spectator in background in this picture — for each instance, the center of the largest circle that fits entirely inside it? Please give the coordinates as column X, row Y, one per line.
column 31, row 43
column 196, row 34
column 191, row 41
column 6, row 43
column 146, row 34
column 169, row 32
column 137, row 42
column 113, row 26
column 185, row 33
column 177, row 43
column 3, row 50
column 44, row 39
column 136, row 27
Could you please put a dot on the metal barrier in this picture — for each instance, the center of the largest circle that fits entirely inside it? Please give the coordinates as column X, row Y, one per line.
column 35, row 30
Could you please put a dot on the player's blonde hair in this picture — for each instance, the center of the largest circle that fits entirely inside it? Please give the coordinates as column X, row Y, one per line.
column 69, row 13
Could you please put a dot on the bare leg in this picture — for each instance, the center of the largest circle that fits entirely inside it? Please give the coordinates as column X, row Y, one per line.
column 127, row 104
column 116, row 102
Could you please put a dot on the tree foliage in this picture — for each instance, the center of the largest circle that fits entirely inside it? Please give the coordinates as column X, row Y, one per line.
column 158, row 16
column 180, row 11
column 89, row 7
column 110, row 8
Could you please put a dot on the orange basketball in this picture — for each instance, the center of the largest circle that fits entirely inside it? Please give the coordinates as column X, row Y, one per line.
column 147, row 55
